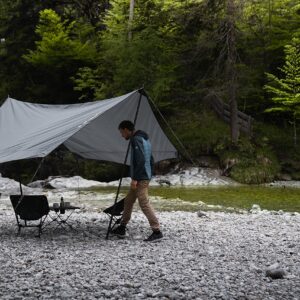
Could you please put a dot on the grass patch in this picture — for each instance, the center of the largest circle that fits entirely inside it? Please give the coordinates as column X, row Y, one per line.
column 270, row 198
column 242, row 197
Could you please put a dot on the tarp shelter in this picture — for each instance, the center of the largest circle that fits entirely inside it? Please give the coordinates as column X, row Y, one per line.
column 29, row 130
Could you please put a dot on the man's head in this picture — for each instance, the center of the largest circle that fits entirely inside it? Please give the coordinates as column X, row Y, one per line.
column 126, row 129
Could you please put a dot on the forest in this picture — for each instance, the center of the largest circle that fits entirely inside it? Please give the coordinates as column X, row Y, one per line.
column 225, row 74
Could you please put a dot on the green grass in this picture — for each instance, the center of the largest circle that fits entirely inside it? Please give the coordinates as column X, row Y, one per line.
column 270, row 198
column 242, row 197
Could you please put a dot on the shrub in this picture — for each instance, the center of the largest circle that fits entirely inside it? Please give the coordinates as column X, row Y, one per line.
column 247, row 162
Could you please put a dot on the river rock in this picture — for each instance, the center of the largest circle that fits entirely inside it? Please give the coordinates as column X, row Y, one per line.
column 201, row 214
column 255, row 209
column 275, row 271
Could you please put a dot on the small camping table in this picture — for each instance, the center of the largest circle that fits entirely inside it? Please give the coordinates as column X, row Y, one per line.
column 61, row 216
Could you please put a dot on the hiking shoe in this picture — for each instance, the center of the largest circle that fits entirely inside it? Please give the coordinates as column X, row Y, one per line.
column 120, row 231
column 154, row 237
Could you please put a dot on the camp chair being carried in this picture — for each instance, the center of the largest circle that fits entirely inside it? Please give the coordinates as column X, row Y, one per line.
column 30, row 208
column 115, row 211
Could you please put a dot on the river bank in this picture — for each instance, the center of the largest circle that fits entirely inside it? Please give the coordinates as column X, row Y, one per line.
column 216, row 256
column 208, row 191
column 190, row 177
column 210, row 255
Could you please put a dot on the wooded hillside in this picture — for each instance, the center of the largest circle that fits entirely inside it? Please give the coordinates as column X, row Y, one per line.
column 246, row 52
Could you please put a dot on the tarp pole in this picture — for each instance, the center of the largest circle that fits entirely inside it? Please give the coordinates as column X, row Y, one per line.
column 123, row 167
column 21, row 190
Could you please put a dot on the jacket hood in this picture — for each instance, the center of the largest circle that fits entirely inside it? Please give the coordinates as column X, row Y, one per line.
column 142, row 133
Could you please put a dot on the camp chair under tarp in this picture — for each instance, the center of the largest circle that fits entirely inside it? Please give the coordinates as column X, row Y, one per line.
column 30, row 208
column 32, row 130
column 115, row 211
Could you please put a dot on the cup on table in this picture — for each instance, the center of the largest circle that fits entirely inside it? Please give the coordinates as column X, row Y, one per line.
column 56, row 206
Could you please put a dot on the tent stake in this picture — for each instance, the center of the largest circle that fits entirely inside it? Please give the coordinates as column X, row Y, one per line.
column 123, row 168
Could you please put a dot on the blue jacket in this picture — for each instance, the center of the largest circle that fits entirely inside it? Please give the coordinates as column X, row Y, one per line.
column 141, row 165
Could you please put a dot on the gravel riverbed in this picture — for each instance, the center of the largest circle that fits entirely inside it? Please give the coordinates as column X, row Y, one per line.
column 216, row 256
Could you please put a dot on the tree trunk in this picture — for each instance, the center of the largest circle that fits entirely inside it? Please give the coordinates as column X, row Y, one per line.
column 295, row 131
column 231, row 70
column 130, row 21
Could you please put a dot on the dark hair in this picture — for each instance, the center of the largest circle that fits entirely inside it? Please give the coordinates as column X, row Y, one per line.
column 126, row 124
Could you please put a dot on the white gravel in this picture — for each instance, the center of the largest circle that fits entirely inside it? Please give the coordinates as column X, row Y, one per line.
column 211, row 255
column 221, row 256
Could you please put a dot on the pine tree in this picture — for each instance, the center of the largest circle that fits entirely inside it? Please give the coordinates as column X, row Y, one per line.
column 58, row 55
column 286, row 90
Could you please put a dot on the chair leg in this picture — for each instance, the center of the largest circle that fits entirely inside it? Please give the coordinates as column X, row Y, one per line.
column 116, row 222
column 23, row 223
column 40, row 226
column 40, row 231
column 18, row 223
column 43, row 222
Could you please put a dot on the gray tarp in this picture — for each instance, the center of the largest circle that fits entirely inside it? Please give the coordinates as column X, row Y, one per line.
column 30, row 130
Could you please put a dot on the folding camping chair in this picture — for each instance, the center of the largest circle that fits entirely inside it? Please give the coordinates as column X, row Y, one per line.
column 30, row 208
column 115, row 211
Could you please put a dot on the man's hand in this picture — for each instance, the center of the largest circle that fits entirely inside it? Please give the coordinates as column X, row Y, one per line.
column 133, row 184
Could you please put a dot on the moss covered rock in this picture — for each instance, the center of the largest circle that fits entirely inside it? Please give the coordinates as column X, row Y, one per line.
column 248, row 163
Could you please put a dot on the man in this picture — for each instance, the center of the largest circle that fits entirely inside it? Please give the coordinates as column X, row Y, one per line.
column 141, row 166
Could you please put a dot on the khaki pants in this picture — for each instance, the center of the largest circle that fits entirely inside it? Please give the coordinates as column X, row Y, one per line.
column 141, row 192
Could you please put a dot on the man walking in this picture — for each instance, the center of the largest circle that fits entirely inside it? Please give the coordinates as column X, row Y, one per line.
column 141, row 166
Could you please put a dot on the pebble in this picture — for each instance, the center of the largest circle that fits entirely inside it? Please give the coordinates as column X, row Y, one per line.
column 224, row 256
column 275, row 271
